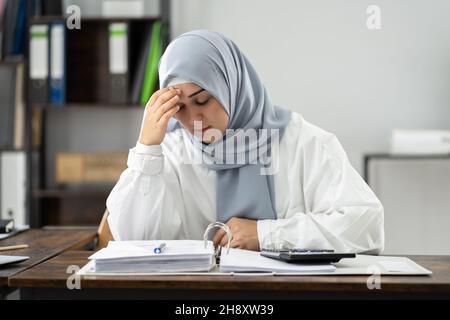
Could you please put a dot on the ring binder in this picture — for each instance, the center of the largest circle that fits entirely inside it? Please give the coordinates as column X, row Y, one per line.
column 218, row 225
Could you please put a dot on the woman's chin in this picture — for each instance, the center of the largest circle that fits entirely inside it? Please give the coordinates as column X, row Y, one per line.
column 207, row 140
column 204, row 137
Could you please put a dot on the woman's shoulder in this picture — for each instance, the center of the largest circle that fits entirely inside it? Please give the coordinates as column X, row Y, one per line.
column 304, row 131
column 302, row 134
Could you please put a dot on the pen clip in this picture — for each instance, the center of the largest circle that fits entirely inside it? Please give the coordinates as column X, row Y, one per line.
column 218, row 225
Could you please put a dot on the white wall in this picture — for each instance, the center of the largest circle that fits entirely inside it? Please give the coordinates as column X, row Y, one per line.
column 318, row 58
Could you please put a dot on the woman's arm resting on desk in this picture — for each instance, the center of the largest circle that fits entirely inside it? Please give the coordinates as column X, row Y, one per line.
column 342, row 211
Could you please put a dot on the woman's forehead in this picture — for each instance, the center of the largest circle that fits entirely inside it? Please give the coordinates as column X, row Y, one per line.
column 188, row 88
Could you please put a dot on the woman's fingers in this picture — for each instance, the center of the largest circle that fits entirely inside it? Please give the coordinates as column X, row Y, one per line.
column 221, row 239
column 218, row 237
column 169, row 114
column 156, row 95
column 224, row 241
column 169, row 105
column 161, row 107
column 163, row 98
column 160, row 92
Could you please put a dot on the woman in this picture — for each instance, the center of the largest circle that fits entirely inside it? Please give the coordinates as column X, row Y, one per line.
column 286, row 184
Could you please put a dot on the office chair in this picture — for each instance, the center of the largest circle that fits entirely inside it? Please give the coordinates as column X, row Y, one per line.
column 103, row 233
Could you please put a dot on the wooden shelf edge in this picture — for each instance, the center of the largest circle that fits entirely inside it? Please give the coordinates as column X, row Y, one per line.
column 12, row 60
column 55, row 193
column 3, row 149
column 93, row 106
column 47, row 19
column 387, row 155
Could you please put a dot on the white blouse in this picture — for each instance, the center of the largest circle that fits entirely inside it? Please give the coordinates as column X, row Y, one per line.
column 321, row 201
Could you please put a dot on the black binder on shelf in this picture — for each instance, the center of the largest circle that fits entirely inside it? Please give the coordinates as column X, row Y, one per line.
column 139, row 72
column 12, row 107
column 7, row 92
column 2, row 27
column 10, row 16
column 51, row 7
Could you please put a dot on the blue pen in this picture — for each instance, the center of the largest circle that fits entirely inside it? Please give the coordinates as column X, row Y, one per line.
column 159, row 248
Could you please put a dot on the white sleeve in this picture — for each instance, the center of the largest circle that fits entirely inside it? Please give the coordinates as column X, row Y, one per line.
column 146, row 203
column 342, row 211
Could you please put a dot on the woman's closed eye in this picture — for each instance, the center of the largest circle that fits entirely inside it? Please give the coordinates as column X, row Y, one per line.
column 202, row 103
column 196, row 102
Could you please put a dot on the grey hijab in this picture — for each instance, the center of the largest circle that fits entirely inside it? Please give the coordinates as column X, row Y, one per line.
column 215, row 63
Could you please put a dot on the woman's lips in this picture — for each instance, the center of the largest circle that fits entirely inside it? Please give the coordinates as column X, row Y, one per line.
column 202, row 132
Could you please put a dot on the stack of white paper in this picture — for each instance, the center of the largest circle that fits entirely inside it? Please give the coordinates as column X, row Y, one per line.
column 238, row 260
column 139, row 257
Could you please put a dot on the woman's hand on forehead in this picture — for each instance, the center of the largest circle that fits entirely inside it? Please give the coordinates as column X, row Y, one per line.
column 162, row 106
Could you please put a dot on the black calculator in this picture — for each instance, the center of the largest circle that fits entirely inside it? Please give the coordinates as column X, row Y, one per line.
column 309, row 256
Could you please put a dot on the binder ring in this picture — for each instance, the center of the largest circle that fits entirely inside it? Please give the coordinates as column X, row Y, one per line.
column 218, row 225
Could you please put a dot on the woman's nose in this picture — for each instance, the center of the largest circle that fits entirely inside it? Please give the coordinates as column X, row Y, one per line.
column 195, row 115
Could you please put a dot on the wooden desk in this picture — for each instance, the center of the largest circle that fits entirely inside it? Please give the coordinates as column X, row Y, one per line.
column 48, row 280
column 43, row 245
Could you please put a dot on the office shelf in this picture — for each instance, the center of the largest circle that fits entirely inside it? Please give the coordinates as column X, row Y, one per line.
column 86, row 74
column 86, row 106
column 47, row 19
column 56, row 193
